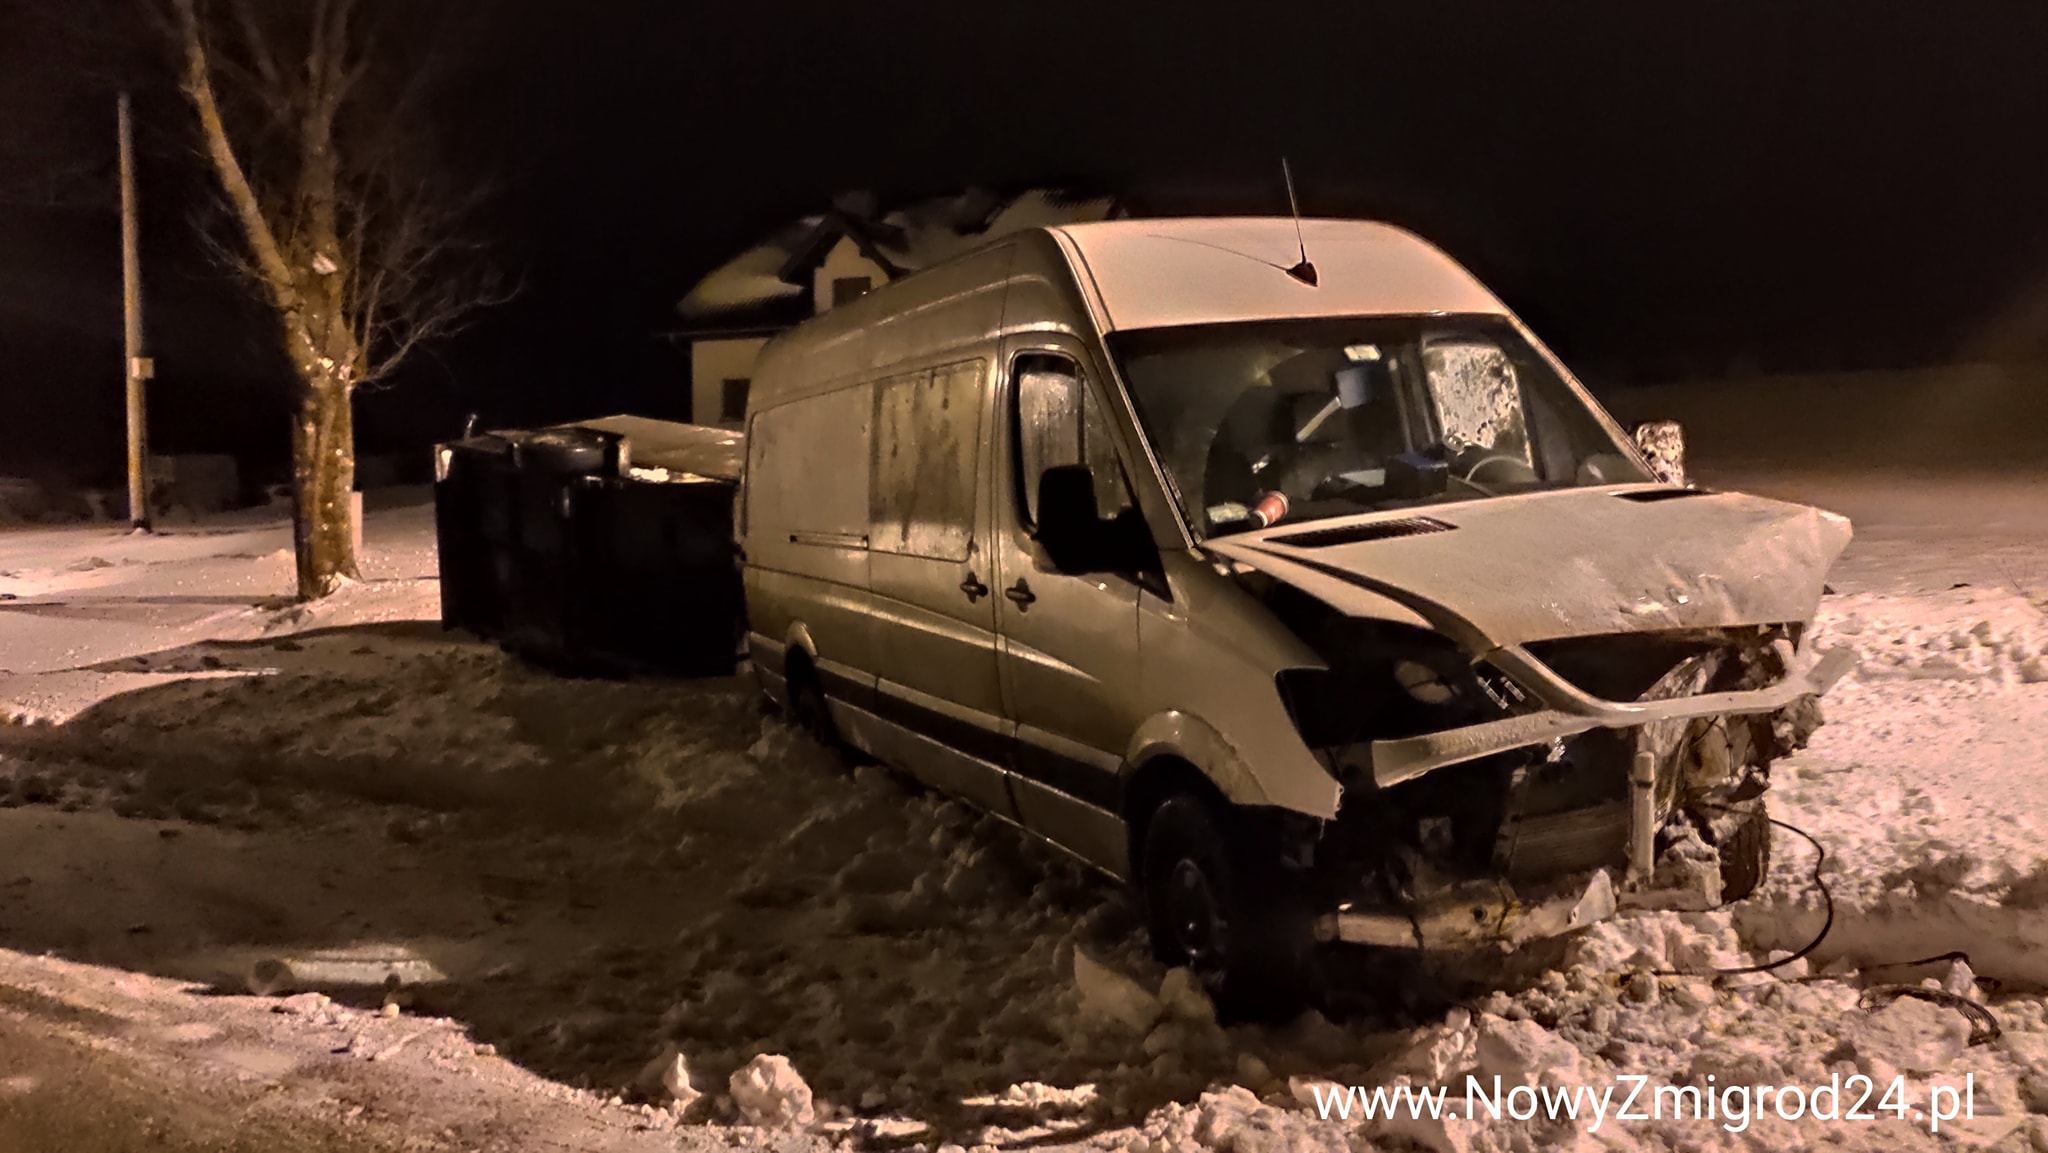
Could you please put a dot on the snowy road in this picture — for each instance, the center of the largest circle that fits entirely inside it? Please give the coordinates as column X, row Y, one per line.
column 610, row 873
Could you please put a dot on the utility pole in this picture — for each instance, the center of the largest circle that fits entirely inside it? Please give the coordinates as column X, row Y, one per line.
column 139, row 367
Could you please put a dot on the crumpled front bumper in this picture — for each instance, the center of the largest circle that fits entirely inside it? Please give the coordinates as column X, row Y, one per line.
column 1568, row 711
column 1478, row 912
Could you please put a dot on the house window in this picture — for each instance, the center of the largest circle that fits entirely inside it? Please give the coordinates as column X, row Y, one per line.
column 845, row 288
column 732, row 399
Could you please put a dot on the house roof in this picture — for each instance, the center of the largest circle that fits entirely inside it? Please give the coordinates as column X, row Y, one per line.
column 724, row 331
column 775, row 274
column 754, row 277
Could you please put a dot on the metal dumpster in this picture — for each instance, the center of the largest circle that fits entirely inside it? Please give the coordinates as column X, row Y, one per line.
column 604, row 545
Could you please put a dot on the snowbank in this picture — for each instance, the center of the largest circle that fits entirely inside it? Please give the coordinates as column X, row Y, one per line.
column 911, row 962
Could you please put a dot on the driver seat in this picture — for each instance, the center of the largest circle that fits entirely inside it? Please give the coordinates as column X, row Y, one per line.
column 1253, row 427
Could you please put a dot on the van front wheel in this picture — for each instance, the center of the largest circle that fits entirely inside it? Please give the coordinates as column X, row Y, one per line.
column 1746, row 854
column 1216, row 904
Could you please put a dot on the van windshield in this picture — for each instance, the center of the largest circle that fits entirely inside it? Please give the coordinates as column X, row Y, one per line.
column 1349, row 415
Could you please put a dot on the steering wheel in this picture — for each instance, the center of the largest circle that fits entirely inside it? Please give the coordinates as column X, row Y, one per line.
column 1472, row 474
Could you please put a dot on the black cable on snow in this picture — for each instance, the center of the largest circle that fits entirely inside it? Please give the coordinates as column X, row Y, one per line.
column 1984, row 1026
column 1828, row 898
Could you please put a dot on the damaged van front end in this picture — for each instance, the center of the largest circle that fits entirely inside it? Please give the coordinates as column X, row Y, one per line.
column 1546, row 708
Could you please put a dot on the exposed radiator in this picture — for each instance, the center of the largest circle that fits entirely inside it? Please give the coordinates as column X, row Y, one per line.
column 1535, row 848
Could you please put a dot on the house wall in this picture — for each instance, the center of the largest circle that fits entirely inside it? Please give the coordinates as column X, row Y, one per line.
column 844, row 260
column 712, row 363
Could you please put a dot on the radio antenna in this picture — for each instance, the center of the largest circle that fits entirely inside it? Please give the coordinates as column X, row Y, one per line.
column 1304, row 272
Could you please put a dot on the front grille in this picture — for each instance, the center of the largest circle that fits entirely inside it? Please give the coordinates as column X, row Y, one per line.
column 1624, row 666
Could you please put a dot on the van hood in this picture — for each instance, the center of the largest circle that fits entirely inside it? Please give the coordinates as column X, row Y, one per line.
column 1565, row 563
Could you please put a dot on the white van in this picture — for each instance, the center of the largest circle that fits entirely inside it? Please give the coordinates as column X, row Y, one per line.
column 1314, row 597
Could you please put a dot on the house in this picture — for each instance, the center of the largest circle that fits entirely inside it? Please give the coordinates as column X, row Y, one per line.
column 820, row 261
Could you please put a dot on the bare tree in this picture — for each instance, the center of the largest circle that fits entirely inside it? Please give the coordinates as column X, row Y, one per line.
column 309, row 113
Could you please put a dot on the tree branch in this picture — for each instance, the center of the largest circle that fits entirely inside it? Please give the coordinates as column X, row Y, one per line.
column 334, row 85
column 316, row 51
column 259, row 52
column 276, row 273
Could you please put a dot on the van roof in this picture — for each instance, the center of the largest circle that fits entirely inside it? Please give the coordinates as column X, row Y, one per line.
column 1148, row 273
column 1160, row 273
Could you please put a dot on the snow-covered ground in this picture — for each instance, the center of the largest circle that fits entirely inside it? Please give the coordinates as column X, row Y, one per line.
column 578, row 882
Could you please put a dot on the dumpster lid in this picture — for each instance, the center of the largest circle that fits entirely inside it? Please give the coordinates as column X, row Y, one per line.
column 677, row 447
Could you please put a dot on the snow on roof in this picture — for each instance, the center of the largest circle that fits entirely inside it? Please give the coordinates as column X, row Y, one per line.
column 752, row 278
column 1158, row 273
column 909, row 238
column 939, row 230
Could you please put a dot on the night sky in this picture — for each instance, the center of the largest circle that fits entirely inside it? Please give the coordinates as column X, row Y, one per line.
column 1661, row 190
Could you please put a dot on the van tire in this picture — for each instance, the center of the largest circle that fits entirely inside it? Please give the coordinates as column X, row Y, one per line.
column 1746, row 855
column 1215, row 903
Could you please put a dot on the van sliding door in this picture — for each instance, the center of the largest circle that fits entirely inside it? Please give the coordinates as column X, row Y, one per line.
column 938, row 692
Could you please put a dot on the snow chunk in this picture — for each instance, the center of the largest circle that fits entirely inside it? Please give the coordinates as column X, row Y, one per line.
column 1440, row 1054
column 1692, row 993
column 1788, row 967
column 1233, row 1120
column 1960, row 980
column 1182, row 998
column 669, row 1073
column 1109, row 995
column 1439, row 1134
column 1253, row 1071
column 305, row 1004
column 770, row 1094
column 1642, row 988
column 1736, row 1062
column 1667, row 940
column 1525, row 1053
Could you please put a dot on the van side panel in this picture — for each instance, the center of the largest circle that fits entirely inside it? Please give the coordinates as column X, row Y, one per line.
column 935, row 646
column 870, row 559
column 930, row 318
column 806, row 537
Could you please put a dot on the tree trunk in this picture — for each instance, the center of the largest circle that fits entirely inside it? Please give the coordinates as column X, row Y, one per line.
column 324, row 476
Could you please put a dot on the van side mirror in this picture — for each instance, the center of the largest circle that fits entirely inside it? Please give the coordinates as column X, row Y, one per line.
column 1662, row 443
column 1073, row 532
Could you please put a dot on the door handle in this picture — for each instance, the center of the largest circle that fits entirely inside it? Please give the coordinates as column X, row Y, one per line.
column 973, row 587
column 1020, row 594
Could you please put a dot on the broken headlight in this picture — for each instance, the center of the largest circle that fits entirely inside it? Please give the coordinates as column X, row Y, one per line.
column 1425, row 685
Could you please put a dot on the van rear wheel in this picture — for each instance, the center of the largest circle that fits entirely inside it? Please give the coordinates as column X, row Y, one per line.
column 1216, row 904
